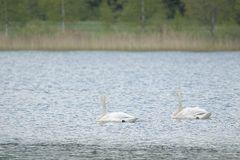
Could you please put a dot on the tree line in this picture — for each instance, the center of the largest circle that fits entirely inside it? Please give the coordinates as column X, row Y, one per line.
column 134, row 12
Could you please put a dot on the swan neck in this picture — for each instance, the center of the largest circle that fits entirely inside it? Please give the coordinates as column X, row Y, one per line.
column 103, row 104
column 180, row 106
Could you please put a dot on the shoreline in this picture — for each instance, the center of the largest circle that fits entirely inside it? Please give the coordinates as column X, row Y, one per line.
column 137, row 51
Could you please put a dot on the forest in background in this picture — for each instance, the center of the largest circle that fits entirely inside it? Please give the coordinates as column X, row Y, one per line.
column 214, row 22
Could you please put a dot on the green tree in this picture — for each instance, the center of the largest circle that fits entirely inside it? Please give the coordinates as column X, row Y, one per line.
column 94, row 9
column 131, row 12
column 209, row 12
column 237, row 11
column 173, row 7
column 4, row 19
column 116, row 8
column 51, row 9
column 83, row 10
column 33, row 10
column 143, row 12
column 12, row 12
column 106, row 13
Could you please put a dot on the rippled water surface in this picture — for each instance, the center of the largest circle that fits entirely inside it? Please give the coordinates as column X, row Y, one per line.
column 49, row 102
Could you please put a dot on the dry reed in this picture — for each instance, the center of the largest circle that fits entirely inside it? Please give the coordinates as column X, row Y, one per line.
column 117, row 41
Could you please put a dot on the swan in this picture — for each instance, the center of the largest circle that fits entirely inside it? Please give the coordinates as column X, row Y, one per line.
column 189, row 112
column 113, row 116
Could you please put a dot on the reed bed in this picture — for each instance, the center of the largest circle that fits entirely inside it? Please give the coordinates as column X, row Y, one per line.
column 169, row 41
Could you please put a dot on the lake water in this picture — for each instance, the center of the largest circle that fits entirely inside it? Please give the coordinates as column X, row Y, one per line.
column 49, row 102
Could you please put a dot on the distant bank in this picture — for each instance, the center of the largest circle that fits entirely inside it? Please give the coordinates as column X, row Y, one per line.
column 169, row 41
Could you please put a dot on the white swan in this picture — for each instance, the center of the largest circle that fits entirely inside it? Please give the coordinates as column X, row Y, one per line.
column 189, row 112
column 114, row 116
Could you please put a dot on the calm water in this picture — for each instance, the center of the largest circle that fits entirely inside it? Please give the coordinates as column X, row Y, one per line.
column 49, row 102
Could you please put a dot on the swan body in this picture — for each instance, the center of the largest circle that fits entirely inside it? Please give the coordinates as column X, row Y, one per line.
column 192, row 113
column 114, row 116
column 117, row 117
column 189, row 112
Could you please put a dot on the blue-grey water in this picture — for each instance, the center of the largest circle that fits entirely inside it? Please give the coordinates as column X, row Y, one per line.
column 49, row 102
